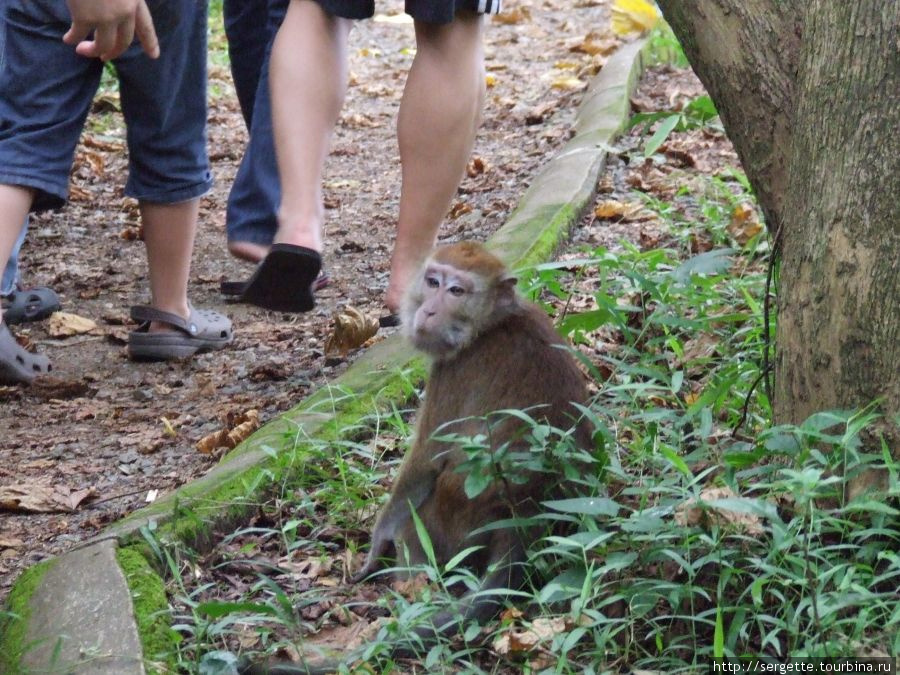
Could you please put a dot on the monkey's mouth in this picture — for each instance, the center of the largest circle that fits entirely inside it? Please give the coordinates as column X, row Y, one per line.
column 437, row 343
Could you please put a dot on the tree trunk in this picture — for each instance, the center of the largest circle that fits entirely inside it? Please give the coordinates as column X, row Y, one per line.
column 809, row 93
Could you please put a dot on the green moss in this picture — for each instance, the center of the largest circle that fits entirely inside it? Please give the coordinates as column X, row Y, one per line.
column 148, row 593
column 14, row 619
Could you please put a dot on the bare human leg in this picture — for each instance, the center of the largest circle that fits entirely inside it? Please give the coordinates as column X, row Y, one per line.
column 169, row 231
column 439, row 115
column 308, row 75
column 15, row 202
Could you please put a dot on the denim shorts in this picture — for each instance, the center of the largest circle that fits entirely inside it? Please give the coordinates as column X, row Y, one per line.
column 46, row 92
column 428, row 11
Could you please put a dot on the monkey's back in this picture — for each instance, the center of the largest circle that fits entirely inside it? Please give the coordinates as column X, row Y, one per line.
column 519, row 363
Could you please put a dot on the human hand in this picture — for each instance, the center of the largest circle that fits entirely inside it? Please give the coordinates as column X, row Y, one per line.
column 115, row 23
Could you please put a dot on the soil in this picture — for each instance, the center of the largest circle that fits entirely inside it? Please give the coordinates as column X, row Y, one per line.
column 102, row 435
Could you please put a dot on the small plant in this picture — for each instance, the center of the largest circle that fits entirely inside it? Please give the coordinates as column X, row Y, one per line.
column 698, row 113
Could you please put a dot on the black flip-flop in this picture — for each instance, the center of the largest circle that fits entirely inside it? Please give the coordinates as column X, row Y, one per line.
column 233, row 290
column 283, row 281
column 29, row 304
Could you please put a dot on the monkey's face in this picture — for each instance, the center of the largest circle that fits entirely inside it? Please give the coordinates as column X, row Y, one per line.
column 444, row 311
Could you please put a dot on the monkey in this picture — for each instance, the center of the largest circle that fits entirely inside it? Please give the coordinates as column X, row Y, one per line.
column 491, row 350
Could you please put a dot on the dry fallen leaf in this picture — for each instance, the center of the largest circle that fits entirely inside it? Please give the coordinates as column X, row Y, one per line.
column 744, row 223
column 542, row 629
column 93, row 160
column 612, row 209
column 596, row 43
column 633, row 16
column 412, row 587
column 692, row 514
column 34, row 498
column 80, row 194
column 513, row 16
column 101, row 144
column 351, row 329
column 568, row 83
column 237, row 429
column 64, row 324
column 132, row 233
column 459, row 209
column 476, row 167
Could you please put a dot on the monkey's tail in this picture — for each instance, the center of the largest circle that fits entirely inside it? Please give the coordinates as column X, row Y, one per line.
column 323, row 667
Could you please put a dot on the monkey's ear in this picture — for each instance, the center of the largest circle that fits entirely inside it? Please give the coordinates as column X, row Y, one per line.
column 506, row 291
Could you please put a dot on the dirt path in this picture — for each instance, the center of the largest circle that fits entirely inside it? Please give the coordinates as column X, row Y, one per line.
column 103, row 432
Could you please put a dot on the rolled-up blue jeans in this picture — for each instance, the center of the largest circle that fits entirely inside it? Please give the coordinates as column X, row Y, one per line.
column 250, row 26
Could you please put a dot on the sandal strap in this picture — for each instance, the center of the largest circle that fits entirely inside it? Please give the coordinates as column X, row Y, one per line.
column 145, row 314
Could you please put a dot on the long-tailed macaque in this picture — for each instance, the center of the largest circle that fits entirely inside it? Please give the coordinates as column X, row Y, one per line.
column 491, row 351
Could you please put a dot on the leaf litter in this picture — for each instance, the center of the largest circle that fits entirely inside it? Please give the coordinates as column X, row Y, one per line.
column 98, row 426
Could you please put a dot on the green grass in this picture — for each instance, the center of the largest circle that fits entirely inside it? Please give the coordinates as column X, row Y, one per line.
column 710, row 532
column 704, row 530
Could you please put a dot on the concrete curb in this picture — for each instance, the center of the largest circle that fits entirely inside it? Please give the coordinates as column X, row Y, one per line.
column 77, row 614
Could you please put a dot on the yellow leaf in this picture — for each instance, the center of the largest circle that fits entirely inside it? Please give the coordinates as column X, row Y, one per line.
column 168, row 427
column 744, row 224
column 490, row 81
column 513, row 16
column 64, row 324
column 633, row 16
column 569, row 83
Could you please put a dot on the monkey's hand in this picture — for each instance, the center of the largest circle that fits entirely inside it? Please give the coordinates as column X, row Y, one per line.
column 380, row 546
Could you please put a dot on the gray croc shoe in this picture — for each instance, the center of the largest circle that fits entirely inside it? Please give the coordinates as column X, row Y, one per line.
column 203, row 330
column 29, row 304
column 18, row 365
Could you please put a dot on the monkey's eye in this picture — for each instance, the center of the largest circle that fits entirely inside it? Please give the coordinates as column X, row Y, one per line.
column 457, row 290
column 432, row 282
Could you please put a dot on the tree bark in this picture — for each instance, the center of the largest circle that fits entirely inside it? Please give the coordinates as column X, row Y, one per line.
column 839, row 300
column 809, row 93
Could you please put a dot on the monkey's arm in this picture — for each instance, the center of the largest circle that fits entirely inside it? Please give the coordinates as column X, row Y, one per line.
column 409, row 492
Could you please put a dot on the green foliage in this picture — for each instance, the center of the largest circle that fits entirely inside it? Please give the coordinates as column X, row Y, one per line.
column 696, row 529
column 664, row 47
column 698, row 113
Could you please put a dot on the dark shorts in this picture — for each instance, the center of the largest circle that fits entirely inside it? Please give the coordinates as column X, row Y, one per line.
column 46, row 92
column 429, row 11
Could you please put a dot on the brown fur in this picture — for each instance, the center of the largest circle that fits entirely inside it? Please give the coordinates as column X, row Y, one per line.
column 513, row 359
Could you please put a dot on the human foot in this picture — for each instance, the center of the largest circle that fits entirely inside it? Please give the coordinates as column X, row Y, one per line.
column 248, row 250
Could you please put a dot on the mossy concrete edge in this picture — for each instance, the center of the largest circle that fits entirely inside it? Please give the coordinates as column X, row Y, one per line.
column 14, row 626
column 555, row 200
column 148, row 596
column 564, row 188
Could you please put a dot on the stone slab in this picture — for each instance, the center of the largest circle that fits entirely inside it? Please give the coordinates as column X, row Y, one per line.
column 82, row 618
